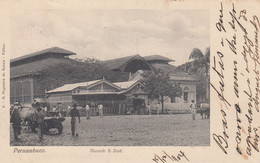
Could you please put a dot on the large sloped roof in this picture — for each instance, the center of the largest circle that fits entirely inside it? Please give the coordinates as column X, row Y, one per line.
column 36, row 66
column 70, row 87
column 175, row 75
column 125, row 85
column 157, row 57
column 54, row 50
column 120, row 63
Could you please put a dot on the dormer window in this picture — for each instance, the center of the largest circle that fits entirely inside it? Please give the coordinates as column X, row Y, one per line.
column 76, row 90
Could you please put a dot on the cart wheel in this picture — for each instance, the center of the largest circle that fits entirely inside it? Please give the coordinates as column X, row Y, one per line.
column 33, row 129
column 45, row 129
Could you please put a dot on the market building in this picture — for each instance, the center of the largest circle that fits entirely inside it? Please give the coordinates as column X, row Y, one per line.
column 25, row 84
column 117, row 98
column 158, row 62
column 26, row 74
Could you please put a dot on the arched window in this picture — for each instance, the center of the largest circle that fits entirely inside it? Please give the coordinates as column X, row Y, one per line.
column 136, row 65
column 186, row 89
column 185, row 94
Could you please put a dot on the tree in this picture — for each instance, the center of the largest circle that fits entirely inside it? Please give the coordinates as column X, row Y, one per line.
column 73, row 71
column 196, row 54
column 88, row 60
column 158, row 86
column 199, row 68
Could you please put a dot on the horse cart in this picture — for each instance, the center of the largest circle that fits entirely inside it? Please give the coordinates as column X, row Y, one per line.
column 28, row 115
column 204, row 110
column 53, row 120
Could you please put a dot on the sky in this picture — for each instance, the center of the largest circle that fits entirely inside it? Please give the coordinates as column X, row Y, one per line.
column 109, row 34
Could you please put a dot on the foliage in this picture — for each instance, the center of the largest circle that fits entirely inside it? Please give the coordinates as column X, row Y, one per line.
column 88, row 60
column 74, row 71
column 158, row 86
column 199, row 69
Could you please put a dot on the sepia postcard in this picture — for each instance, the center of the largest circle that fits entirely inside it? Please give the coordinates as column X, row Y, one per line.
column 156, row 81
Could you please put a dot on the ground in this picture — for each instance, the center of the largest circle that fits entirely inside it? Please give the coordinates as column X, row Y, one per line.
column 126, row 130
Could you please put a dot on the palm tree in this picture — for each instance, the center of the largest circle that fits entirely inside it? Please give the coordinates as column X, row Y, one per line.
column 196, row 54
column 200, row 66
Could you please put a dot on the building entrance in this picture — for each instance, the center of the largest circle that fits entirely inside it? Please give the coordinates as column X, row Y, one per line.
column 139, row 106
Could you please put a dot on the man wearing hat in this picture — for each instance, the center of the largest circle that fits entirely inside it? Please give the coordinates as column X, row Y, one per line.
column 16, row 121
column 87, row 111
column 74, row 113
column 18, row 105
column 39, row 119
column 100, row 110
column 34, row 103
column 193, row 109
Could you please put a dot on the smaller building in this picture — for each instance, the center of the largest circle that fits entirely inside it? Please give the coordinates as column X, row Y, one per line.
column 158, row 62
column 117, row 98
column 176, row 104
column 188, row 85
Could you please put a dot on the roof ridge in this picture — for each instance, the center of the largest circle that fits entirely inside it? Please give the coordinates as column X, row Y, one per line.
column 161, row 57
column 130, row 56
column 44, row 51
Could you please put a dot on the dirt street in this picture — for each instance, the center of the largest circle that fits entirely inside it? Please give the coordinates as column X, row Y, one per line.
column 126, row 130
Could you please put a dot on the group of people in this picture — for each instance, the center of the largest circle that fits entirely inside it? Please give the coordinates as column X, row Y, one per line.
column 193, row 108
column 58, row 108
column 153, row 107
column 74, row 113
column 16, row 119
column 203, row 109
